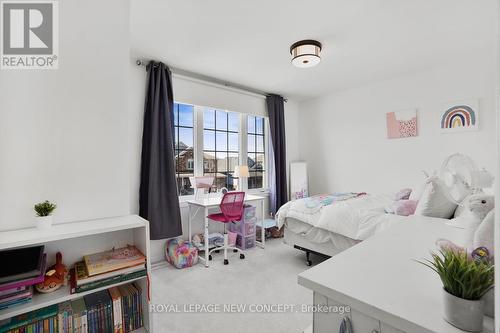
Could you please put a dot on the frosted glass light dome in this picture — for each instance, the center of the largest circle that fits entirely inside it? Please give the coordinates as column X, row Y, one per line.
column 306, row 53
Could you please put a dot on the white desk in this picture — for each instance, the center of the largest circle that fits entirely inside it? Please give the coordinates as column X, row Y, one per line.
column 206, row 204
column 385, row 288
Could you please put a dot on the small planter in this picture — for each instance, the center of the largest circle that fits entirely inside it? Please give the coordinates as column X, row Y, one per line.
column 462, row 313
column 44, row 222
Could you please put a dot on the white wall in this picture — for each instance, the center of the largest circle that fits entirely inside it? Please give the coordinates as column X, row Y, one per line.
column 344, row 140
column 63, row 133
column 197, row 93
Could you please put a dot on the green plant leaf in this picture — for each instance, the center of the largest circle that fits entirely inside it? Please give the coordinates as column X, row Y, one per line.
column 461, row 276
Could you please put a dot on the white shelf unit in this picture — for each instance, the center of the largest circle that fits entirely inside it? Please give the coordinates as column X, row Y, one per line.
column 76, row 239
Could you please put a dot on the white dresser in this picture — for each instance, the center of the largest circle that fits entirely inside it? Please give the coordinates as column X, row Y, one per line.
column 379, row 280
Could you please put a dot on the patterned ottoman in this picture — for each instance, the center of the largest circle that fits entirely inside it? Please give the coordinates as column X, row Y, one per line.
column 181, row 253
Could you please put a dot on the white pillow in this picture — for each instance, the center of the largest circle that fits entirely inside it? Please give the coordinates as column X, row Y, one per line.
column 434, row 202
column 463, row 209
column 417, row 191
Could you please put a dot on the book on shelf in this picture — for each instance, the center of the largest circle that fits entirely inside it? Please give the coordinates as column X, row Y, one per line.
column 131, row 302
column 14, row 303
column 12, row 291
column 113, row 260
column 117, row 310
column 79, row 316
column 29, row 318
column 65, row 317
column 48, row 325
column 99, row 309
column 21, row 264
column 16, row 298
column 28, row 281
column 82, row 276
column 74, row 288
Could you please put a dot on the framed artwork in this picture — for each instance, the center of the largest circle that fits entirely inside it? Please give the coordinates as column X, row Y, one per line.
column 460, row 116
column 402, row 124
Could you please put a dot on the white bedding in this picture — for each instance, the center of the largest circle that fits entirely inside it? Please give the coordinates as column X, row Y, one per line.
column 357, row 218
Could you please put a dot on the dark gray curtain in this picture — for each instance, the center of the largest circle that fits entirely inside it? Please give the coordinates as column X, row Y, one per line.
column 158, row 200
column 276, row 111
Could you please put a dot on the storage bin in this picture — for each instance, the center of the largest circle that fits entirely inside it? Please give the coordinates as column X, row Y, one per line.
column 248, row 212
column 245, row 243
column 244, row 228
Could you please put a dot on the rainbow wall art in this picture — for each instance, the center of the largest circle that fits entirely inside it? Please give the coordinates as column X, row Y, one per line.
column 460, row 117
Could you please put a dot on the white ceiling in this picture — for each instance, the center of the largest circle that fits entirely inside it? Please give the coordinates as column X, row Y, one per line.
column 247, row 42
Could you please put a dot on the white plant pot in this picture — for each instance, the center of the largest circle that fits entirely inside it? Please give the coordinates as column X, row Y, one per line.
column 489, row 303
column 44, row 222
column 462, row 313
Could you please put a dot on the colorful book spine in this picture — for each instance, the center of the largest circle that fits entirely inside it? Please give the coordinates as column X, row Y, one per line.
column 15, row 290
column 117, row 310
column 79, row 316
column 28, row 318
column 48, row 325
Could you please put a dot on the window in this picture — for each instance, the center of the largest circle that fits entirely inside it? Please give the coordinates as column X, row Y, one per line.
column 184, row 146
column 256, row 152
column 190, row 164
column 213, row 142
column 220, row 145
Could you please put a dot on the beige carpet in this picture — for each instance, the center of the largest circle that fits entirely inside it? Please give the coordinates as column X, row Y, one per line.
column 264, row 277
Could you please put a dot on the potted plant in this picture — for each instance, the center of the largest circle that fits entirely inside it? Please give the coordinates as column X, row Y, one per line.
column 465, row 281
column 43, row 211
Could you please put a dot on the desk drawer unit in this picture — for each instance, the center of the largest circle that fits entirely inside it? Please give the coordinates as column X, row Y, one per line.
column 244, row 228
column 249, row 212
column 245, row 243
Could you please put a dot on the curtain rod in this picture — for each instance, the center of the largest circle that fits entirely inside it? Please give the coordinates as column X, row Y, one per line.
column 183, row 74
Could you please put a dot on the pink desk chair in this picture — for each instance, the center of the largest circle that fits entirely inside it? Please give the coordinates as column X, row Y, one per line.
column 231, row 208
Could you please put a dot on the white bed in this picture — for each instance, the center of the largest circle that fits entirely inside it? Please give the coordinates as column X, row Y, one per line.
column 333, row 228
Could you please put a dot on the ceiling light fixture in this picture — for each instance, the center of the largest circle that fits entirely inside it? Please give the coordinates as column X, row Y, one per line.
column 306, row 53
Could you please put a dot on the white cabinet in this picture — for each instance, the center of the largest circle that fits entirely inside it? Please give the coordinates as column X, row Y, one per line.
column 389, row 329
column 362, row 323
column 323, row 319
column 329, row 315
column 386, row 289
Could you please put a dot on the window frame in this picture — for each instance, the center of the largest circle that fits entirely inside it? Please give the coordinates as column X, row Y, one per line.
column 255, row 152
column 177, row 128
column 198, row 145
column 226, row 132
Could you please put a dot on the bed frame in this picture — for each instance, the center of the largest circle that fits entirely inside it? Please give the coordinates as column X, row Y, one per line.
column 308, row 254
column 326, row 250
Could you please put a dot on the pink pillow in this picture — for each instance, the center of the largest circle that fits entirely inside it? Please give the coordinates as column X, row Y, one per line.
column 404, row 207
column 404, row 194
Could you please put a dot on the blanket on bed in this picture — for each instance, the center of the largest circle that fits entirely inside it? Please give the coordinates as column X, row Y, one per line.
column 313, row 204
column 354, row 215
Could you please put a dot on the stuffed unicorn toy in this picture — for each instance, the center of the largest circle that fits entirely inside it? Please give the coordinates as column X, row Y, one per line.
column 478, row 212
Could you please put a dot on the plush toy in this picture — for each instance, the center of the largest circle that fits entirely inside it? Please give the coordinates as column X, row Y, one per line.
column 477, row 210
column 485, row 232
column 55, row 277
column 474, row 209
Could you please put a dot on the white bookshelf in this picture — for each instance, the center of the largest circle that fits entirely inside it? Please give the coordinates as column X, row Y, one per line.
column 75, row 239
